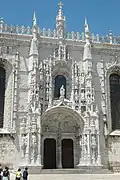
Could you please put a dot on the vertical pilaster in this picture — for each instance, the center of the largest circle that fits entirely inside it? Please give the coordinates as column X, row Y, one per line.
column 50, row 84
column 73, row 86
column 15, row 91
column 59, row 163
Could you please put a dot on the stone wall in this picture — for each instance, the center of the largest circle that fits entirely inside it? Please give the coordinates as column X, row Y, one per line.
column 113, row 145
column 9, row 154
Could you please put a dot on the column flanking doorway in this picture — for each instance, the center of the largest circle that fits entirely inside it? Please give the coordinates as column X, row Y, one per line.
column 67, row 153
column 49, row 160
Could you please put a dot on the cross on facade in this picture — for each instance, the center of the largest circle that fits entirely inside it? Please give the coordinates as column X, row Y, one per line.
column 60, row 4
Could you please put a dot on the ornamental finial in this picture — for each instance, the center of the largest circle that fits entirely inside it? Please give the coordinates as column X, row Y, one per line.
column 87, row 35
column 86, row 26
column 1, row 20
column 34, row 19
column 60, row 4
column 86, row 21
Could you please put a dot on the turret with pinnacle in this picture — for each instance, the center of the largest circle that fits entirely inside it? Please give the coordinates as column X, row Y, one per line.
column 60, row 22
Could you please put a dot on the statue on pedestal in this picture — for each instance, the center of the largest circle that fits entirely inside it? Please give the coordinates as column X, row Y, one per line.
column 85, row 144
column 33, row 148
column 24, row 145
column 93, row 148
column 62, row 93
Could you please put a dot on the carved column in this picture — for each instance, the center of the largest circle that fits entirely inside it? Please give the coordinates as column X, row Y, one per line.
column 79, row 91
column 50, row 85
column 98, row 138
column 39, row 142
column 88, row 141
column 15, row 98
column 59, row 163
column 28, row 140
column 103, row 97
column 99, row 156
column 73, row 87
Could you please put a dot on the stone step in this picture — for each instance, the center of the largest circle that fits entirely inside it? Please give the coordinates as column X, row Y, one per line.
column 80, row 170
column 76, row 171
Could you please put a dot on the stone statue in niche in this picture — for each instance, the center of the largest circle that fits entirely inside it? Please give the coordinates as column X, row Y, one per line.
column 33, row 148
column 80, row 141
column 24, row 141
column 23, row 125
column 93, row 148
column 35, row 104
column 60, row 32
column 85, row 143
column 62, row 93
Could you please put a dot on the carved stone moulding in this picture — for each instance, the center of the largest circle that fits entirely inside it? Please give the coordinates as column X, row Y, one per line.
column 67, row 117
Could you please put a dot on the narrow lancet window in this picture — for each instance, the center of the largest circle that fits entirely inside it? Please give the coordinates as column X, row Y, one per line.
column 115, row 100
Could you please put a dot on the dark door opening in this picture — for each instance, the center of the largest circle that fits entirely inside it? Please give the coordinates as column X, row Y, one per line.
column 67, row 153
column 49, row 154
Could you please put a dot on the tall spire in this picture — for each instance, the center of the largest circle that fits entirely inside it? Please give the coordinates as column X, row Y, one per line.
column 87, row 48
column 60, row 22
column 34, row 20
column 60, row 13
column 34, row 26
column 87, row 34
column 34, row 43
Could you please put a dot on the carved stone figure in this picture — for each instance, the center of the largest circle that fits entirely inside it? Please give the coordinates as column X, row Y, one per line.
column 62, row 92
column 33, row 148
column 85, row 144
column 35, row 105
column 60, row 32
column 93, row 149
column 24, row 141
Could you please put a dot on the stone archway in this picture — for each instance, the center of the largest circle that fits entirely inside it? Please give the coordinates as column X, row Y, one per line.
column 61, row 123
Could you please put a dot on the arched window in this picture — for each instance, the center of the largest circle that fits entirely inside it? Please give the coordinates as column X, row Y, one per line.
column 59, row 81
column 115, row 100
column 2, row 94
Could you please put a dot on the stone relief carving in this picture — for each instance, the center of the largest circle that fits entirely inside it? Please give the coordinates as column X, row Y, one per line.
column 93, row 149
column 85, row 141
column 23, row 137
column 24, row 140
column 33, row 145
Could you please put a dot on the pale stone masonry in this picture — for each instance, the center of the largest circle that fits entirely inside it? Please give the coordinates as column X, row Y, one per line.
column 58, row 103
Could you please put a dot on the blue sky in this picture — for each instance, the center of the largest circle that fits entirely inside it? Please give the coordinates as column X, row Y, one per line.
column 102, row 15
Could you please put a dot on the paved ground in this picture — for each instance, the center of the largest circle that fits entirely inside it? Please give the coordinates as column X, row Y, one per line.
column 72, row 177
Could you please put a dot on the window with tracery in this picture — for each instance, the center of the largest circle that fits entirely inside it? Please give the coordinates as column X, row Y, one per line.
column 59, row 81
column 115, row 100
column 2, row 94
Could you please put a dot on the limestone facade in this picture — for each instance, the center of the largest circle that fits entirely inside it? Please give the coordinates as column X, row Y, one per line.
column 33, row 59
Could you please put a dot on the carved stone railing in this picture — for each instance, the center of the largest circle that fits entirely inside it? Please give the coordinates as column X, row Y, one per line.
column 73, row 36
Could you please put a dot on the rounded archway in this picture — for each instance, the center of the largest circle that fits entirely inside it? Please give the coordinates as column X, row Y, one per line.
column 68, row 118
column 65, row 126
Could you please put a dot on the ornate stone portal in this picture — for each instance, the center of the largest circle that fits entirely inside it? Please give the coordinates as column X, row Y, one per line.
column 58, row 91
